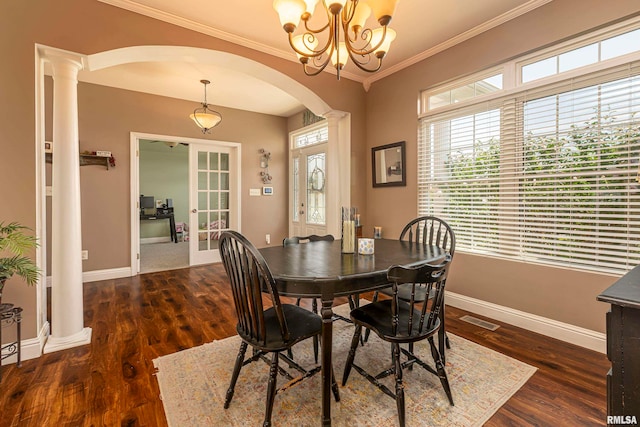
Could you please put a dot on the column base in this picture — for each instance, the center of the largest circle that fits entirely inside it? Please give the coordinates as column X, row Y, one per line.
column 62, row 343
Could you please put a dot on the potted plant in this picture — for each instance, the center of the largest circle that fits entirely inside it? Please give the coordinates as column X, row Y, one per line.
column 15, row 243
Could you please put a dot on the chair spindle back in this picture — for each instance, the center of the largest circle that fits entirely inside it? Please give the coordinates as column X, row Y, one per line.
column 430, row 230
column 250, row 278
column 434, row 277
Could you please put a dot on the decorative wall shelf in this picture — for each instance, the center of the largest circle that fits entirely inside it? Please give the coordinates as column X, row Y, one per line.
column 86, row 160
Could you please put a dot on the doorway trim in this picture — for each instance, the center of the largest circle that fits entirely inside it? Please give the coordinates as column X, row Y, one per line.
column 134, row 186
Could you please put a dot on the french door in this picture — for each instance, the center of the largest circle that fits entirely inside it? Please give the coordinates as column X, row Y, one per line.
column 308, row 190
column 215, row 206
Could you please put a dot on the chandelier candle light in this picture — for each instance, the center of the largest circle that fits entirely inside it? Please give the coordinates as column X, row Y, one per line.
column 204, row 117
column 365, row 46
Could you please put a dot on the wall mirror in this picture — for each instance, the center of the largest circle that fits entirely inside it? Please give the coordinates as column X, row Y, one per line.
column 388, row 165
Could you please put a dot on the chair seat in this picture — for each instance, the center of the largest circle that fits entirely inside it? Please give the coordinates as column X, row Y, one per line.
column 404, row 292
column 377, row 317
column 301, row 322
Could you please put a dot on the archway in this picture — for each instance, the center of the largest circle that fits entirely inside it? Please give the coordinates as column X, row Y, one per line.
column 205, row 56
column 338, row 123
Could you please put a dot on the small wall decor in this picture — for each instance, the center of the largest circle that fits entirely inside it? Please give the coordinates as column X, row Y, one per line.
column 264, row 164
column 388, row 165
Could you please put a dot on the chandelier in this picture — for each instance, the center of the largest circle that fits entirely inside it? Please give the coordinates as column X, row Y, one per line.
column 204, row 117
column 365, row 46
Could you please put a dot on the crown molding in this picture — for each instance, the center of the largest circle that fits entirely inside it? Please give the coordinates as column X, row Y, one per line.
column 498, row 20
column 170, row 18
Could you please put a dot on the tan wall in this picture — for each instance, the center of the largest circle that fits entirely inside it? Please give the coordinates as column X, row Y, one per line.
column 559, row 294
column 106, row 116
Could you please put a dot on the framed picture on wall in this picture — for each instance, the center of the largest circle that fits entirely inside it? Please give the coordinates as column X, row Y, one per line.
column 388, row 165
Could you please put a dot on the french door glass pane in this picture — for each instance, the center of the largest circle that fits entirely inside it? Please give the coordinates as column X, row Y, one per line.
column 213, row 204
column 213, row 181
column 213, row 157
column 202, row 160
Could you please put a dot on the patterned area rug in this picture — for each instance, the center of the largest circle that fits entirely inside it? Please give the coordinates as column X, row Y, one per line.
column 193, row 384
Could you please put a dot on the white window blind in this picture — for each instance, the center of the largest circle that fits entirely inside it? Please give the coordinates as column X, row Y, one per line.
column 548, row 176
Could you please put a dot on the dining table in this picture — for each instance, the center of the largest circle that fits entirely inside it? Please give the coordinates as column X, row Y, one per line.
column 322, row 270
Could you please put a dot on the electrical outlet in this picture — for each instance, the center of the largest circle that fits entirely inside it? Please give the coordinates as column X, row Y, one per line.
column 268, row 239
column 85, row 255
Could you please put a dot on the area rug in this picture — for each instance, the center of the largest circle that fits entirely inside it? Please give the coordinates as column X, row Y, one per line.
column 193, row 384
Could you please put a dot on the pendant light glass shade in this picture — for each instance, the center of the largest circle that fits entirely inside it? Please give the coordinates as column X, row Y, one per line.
column 206, row 120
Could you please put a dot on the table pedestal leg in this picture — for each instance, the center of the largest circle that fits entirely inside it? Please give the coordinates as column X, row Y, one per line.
column 327, row 341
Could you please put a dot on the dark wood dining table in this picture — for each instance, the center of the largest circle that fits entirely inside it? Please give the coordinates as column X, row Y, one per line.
column 320, row 269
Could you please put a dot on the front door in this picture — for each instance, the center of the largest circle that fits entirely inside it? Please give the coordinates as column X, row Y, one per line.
column 308, row 191
column 214, row 198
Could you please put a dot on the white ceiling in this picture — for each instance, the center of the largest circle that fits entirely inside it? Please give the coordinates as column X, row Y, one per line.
column 424, row 27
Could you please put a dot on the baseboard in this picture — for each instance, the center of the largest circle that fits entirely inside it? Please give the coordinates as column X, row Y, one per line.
column 563, row 331
column 30, row 348
column 147, row 240
column 95, row 275
column 78, row 339
column 112, row 273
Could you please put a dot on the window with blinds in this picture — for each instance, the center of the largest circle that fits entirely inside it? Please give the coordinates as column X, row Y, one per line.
column 549, row 175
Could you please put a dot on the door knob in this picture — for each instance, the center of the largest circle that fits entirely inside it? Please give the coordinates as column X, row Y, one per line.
column 194, row 210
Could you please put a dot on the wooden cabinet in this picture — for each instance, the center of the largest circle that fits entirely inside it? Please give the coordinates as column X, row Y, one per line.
column 623, row 346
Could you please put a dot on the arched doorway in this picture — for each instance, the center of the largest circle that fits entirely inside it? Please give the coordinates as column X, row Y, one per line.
column 338, row 122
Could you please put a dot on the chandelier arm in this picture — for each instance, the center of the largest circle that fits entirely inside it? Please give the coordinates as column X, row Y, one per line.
column 364, row 35
column 336, row 36
column 348, row 11
column 319, row 69
column 362, row 65
column 365, row 51
column 312, row 53
column 305, row 19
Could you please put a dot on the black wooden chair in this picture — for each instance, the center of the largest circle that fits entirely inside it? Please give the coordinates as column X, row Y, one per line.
column 399, row 322
column 272, row 330
column 426, row 230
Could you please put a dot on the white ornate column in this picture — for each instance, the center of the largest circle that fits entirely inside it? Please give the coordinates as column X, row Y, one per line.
column 67, row 307
column 339, row 168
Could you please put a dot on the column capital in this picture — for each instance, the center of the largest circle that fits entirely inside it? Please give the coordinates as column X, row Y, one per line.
column 59, row 57
column 334, row 115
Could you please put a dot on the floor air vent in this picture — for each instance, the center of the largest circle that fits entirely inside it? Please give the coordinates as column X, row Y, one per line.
column 479, row 322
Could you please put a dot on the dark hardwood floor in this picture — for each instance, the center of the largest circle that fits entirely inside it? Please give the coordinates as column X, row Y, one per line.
column 135, row 320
